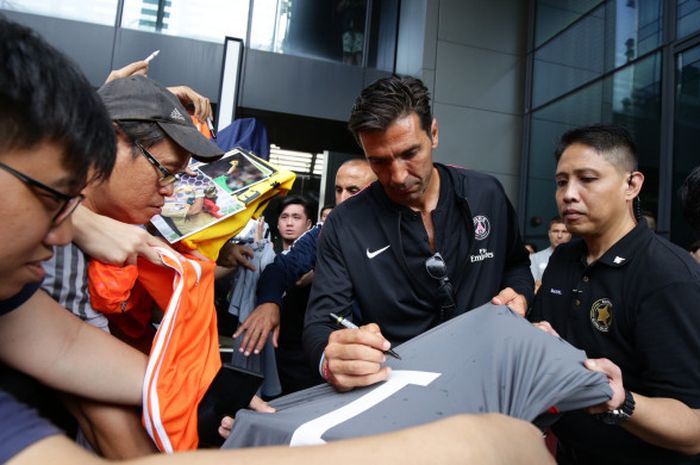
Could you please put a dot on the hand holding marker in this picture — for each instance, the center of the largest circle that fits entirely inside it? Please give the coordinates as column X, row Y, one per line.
column 151, row 56
column 350, row 325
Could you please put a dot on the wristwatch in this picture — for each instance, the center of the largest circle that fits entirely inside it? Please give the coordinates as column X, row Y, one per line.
column 620, row 414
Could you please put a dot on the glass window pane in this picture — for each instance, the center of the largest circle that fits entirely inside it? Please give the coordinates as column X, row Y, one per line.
column 209, row 20
column 99, row 11
column 383, row 35
column 326, row 30
column 688, row 17
column 614, row 34
column 687, row 128
column 631, row 98
column 269, row 25
column 563, row 64
column 352, row 17
column 555, row 15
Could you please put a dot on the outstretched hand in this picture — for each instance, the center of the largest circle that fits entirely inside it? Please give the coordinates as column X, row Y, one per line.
column 132, row 69
column 234, row 255
column 112, row 241
column 256, row 329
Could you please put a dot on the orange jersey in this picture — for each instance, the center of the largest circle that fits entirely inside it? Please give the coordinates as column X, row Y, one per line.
column 184, row 356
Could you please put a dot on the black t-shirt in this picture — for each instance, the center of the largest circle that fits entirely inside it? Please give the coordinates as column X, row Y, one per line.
column 638, row 306
column 7, row 305
column 20, row 427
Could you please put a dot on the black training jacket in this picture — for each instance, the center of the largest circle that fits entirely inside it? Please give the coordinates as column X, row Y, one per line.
column 350, row 271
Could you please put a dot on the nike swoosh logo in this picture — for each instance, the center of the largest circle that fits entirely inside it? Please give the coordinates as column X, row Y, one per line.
column 371, row 255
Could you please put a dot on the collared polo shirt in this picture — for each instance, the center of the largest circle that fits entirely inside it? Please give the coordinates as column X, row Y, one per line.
column 638, row 305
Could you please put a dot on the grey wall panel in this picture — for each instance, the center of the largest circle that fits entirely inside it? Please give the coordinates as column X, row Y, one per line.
column 478, row 139
column 497, row 25
column 301, row 86
column 428, row 78
column 478, row 85
column 181, row 61
column 270, row 81
column 510, row 185
column 432, row 17
column 89, row 45
column 479, row 78
column 371, row 75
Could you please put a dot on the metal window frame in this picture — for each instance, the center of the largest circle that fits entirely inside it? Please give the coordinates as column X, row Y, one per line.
column 671, row 46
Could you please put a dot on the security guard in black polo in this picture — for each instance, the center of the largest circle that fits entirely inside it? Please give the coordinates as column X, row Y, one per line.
column 631, row 301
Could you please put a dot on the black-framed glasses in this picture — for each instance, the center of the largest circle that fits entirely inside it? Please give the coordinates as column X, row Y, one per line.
column 167, row 177
column 67, row 203
column 437, row 269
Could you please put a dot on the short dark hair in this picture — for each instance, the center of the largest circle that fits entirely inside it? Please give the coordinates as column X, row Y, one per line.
column 689, row 193
column 147, row 133
column 299, row 200
column 556, row 220
column 614, row 143
column 45, row 98
column 386, row 100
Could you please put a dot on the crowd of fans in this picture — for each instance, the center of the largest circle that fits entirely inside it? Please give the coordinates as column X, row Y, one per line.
column 408, row 244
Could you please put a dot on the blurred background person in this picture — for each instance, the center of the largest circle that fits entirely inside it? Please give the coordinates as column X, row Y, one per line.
column 558, row 234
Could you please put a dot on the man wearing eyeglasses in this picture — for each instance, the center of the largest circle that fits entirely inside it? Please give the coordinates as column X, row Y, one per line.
column 420, row 246
column 155, row 139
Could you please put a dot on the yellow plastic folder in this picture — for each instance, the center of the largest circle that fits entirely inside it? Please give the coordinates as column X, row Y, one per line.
column 255, row 198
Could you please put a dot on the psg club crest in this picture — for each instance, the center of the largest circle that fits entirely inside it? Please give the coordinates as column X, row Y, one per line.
column 482, row 227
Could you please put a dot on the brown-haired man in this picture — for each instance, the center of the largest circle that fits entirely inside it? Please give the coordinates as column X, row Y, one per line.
column 424, row 243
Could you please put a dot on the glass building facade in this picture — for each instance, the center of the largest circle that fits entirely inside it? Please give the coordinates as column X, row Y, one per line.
column 355, row 32
column 635, row 63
